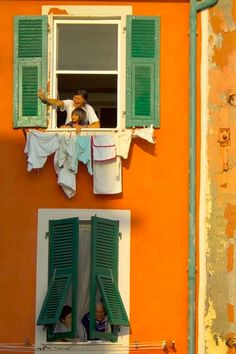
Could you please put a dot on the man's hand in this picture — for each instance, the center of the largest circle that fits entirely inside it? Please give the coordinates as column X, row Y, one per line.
column 43, row 97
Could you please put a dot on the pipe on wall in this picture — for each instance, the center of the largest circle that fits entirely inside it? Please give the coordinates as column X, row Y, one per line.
column 195, row 7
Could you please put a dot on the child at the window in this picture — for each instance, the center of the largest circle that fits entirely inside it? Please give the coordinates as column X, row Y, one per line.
column 64, row 325
column 76, row 120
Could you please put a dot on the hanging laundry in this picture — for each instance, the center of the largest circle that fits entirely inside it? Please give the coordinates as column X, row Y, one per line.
column 145, row 133
column 122, row 142
column 66, row 164
column 39, row 146
column 104, row 148
column 107, row 177
column 83, row 151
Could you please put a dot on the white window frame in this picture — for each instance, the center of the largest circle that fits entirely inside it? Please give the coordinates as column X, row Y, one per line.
column 70, row 13
column 44, row 215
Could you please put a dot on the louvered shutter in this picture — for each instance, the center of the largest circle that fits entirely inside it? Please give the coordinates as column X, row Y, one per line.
column 112, row 300
column 54, row 300
column 30, row 70
column 142, row 71
column 63, row 271
column 104, row 275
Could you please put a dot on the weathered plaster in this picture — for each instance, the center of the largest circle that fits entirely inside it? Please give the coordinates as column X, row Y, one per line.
column 57, row 11
column 221, row 235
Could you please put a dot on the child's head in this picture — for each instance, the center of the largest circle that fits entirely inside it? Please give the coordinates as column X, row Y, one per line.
column 75, row 116
column 66, row 315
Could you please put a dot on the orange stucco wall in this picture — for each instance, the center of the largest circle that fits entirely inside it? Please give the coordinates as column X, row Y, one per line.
column 155, row 189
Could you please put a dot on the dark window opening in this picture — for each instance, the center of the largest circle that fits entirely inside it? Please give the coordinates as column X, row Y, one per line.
column 102, row 95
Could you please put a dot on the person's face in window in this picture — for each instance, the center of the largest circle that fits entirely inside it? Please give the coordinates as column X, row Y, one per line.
column 75, row 118
column 67, row 320
column 100, row 312
column 79, row 101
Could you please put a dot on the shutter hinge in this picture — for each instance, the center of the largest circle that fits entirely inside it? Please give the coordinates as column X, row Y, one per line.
column 46, row 235
column 124, row 29
column 120, row 235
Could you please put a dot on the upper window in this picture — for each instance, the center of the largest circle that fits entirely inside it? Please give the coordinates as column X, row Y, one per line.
column 87, row 56
column 109, row 53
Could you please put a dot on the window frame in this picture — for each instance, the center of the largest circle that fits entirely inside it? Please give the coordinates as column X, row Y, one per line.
column 44, row 215
column 87, row 12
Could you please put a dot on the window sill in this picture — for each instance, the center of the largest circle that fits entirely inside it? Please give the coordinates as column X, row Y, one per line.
column 83, row 130
column 82, row 346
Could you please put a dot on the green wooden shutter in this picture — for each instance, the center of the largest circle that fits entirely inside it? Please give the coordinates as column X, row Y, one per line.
column 142, row 71
column 112, row 300
column 30, row 70
column 62, row 272
column 104, row 265
column 55, row 299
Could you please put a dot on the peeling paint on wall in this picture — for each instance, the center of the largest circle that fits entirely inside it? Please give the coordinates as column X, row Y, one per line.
column 230, row 215
column 220, row 261
column 56, row 11
column 213, row 344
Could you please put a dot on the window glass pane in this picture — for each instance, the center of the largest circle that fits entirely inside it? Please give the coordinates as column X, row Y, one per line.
column 87, row 46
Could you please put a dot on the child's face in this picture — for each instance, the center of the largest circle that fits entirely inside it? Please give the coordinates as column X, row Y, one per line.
column 75, row 118
column 67, row 320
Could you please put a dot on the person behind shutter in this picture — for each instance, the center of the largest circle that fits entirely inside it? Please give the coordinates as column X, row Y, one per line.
column 101, row 320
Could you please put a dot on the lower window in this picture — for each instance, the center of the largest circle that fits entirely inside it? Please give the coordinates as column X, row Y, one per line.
column 81, row 296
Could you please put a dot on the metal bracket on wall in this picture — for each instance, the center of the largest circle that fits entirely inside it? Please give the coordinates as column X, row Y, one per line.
column 224, row 141
column 224, row 137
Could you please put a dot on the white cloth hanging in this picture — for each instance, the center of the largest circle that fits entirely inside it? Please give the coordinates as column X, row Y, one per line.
column 39, row 146
column 107, row 177
column 122, row 141
column 66, row 164
column 104, row 148
column 145, row 133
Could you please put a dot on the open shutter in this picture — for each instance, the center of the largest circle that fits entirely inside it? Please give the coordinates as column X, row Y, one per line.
column 30, row 70
column 142, row 77
column 63, row 272
column 54, row 300
column 104, row 265
column 112, row 300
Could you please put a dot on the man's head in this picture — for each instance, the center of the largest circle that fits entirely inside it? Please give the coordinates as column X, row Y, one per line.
column 80, row 97
column 100, row 311
column 66, row 315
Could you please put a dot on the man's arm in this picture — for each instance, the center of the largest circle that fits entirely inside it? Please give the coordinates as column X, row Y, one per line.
column 93, row 125
column 52, row 101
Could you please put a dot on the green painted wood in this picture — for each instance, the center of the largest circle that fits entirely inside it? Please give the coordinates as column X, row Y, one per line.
column 30, row 70
column 54, row 299
column 143, row 71
column 112, row 300
column 104, row 261
column 62, row 265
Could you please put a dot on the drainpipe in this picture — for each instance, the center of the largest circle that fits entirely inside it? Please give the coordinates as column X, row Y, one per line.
column 195, row 6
